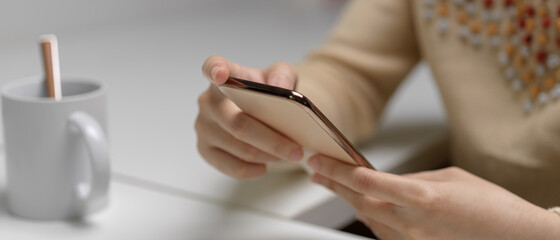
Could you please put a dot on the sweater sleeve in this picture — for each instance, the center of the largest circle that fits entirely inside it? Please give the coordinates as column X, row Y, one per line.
column 555, row 210
column 355, row 71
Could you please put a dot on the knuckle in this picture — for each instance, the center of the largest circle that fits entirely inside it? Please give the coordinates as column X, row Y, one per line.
column 230, row 143
column 427, row 197
column 250, row 153
column 332, row 186
column 209, row 99
column 198, row 126
column 202, row 128
column 283, row 69
column 283, row 65
column 454, row 170
column 203, row 151
column 328, row 168
column 280, row 147
column 243, row 150
column 362, row 180
column 200, row 148
column 203, row 99
column 238, row 125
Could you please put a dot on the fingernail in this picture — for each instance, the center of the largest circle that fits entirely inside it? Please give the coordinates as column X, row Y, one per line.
column 214, row 72
column 296, row 155
column 314, row 163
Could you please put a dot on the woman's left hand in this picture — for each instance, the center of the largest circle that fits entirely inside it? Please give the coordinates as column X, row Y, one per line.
column 443, row 204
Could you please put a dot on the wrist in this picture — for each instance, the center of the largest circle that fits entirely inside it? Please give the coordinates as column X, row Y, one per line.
column 538, row 223
column 554, row 220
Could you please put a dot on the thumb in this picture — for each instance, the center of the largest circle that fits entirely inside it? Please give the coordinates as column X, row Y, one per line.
column 216, row 69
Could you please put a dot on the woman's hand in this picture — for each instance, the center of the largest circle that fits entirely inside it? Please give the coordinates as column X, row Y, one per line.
column 443, row 204
column 232, row 141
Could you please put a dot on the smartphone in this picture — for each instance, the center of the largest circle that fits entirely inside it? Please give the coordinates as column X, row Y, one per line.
column 293, row 115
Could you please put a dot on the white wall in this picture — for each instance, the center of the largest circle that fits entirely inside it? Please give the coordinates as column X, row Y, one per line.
column 30, row 18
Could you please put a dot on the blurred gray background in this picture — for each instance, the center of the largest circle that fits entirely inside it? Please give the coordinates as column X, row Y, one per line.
column 149, row 54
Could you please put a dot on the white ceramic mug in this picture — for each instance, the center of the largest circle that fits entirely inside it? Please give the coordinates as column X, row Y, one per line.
column 57, row 159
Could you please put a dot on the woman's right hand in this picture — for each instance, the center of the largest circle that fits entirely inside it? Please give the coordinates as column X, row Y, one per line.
column 229, row 139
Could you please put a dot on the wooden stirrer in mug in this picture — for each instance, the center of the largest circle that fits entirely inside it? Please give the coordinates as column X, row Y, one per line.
column 49, row 48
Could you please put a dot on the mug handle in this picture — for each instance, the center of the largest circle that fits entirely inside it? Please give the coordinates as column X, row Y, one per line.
column 97, row 147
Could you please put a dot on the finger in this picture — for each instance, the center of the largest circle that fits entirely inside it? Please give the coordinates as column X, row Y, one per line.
column 281, row 74
column 217, row 137
column 383, row 186
column 369, row 208
column 218, row 70
column 361, row 218
column 231, row 165
column 444, row 174
column 383, row 231
column 255, row 133
column 380, row 230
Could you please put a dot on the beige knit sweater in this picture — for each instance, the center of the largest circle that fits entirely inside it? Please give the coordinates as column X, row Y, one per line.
column 377, row 42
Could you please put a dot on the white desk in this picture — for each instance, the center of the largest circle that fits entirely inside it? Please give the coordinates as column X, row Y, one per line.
column 151, row 65
column 144, row 214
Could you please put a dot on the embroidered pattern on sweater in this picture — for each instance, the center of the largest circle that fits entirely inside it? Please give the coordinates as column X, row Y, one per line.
column 525, row 34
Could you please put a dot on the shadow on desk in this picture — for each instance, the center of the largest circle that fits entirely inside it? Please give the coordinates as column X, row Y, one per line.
column 358, row 228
